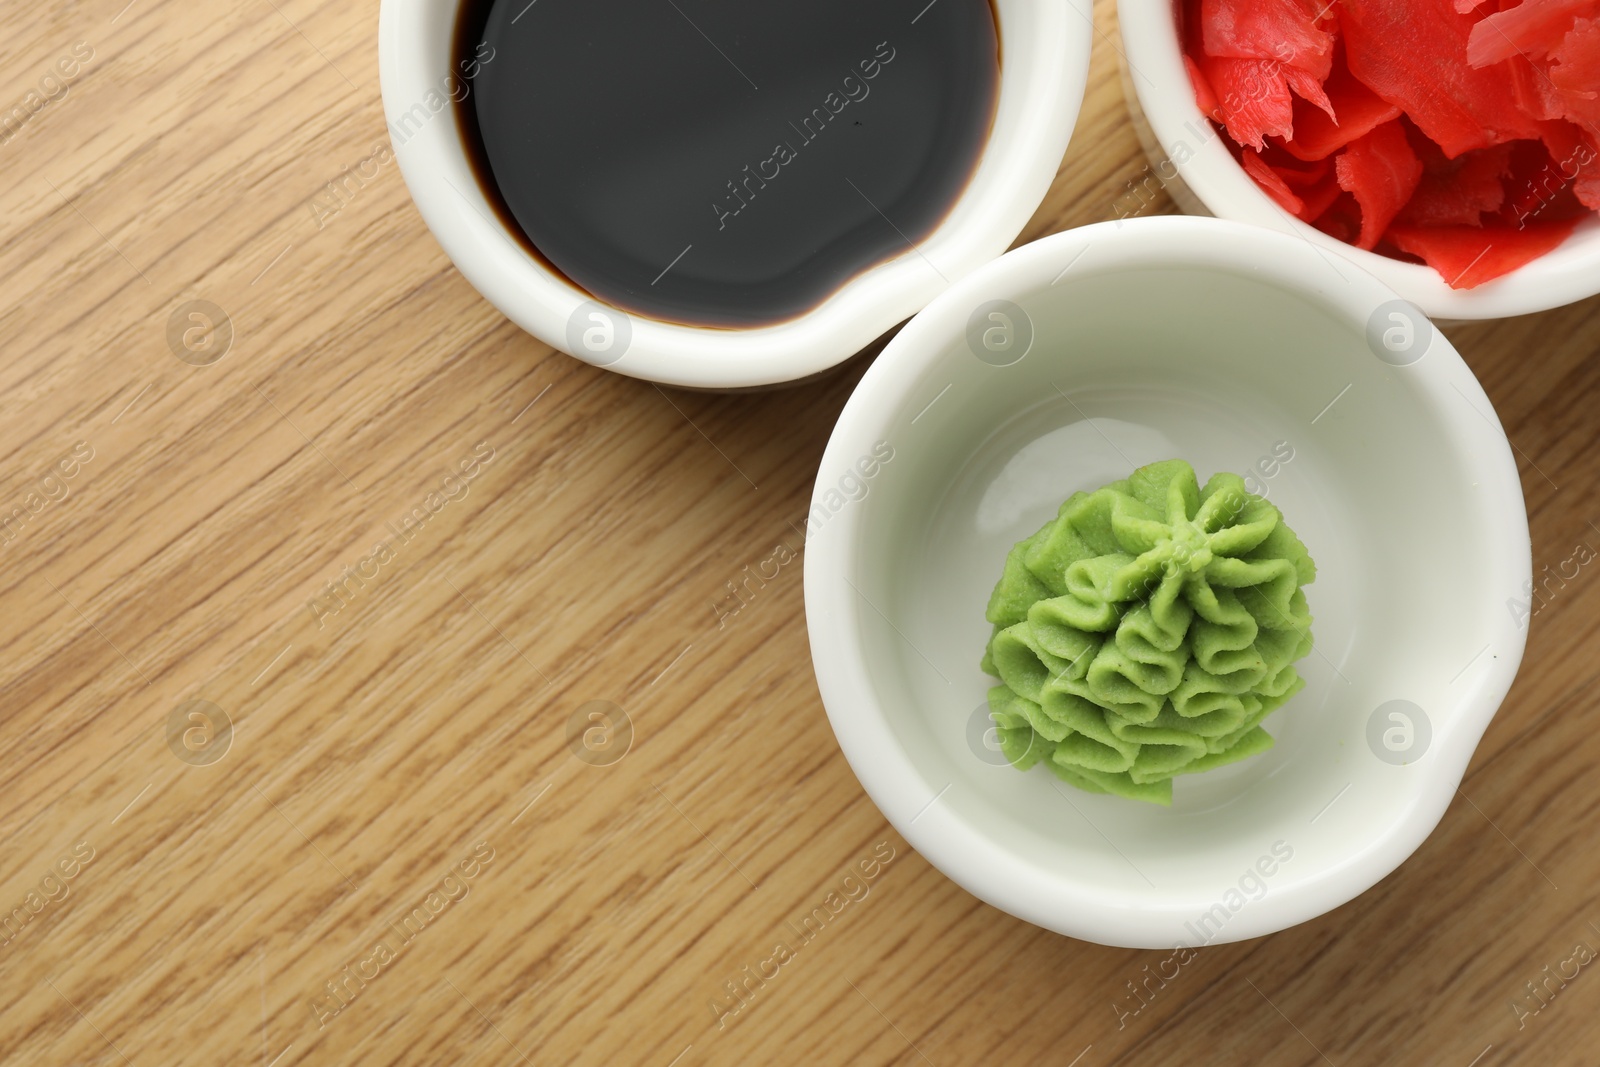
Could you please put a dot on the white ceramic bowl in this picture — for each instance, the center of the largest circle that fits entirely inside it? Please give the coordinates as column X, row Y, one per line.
column 1188, row 156
column 1045, row 62
column 1213, row 342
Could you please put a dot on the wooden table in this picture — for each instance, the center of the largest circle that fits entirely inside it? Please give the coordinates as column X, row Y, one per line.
column 398, row 767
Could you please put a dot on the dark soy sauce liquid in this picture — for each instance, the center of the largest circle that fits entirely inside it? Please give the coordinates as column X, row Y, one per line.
column 724, row 162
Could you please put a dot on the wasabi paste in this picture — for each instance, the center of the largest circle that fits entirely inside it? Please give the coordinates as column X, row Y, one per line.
column 1146, row 631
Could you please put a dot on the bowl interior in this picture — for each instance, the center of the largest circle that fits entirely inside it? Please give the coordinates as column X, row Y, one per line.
column 1377, row 469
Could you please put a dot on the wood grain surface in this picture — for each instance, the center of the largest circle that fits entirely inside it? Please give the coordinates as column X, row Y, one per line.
column 399, row 741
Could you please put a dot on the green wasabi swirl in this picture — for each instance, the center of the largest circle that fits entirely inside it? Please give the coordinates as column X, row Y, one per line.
column 1146, row 631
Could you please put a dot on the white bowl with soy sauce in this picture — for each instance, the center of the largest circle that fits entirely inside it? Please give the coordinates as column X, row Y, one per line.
column 719, row 195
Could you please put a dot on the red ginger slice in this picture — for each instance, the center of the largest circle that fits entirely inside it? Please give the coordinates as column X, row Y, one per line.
column 1289, row 31
column 1461, row 191
column 1537, row 188
column 1381, row 171
column 1575, row 159
column 1309, row 88
column 1413, row 53
column 1530, row 88
column 1342, row 219
column 1204, row 95
column 1587, row 187
column 1532, row 28
column 1468, row 256
column 1272, row 183
column 1314, row 184
column 1574, row 75
column 1305, row 194
column 1358, row 110
column 1296, row 173
column 1319, row 198
column 1252, row 97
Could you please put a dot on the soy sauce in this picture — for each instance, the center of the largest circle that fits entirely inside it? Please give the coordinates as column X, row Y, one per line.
column 724, row 162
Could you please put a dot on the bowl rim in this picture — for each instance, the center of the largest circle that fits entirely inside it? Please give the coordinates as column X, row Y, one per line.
column 1039, row 103
column 834, row 614
column 1162, row 101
